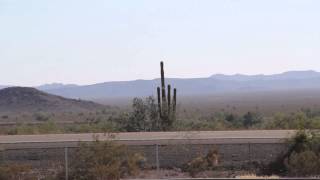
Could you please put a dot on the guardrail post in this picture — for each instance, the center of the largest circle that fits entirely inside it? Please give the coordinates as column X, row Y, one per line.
column 66, row 162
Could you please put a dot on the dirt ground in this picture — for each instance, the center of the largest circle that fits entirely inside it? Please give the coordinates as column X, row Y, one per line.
column 177, row 173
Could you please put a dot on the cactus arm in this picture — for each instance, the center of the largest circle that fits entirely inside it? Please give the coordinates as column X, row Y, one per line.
column 174, row 100
column 163, row 85
column 169, row 100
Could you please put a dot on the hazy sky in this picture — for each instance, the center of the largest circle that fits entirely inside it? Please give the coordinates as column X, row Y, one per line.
column 90, row 41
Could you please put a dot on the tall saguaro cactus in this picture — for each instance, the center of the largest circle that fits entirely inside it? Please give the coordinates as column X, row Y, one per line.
column 166, row 104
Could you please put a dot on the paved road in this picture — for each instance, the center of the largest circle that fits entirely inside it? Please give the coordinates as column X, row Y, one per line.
column 148, row 138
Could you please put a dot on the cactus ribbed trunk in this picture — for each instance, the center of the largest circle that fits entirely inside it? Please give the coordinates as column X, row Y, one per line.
column 159, row 101
column 166, row 105
column 163, row 85
column 164, row 108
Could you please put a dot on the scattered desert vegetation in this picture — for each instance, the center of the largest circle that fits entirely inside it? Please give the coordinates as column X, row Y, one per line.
column 302, row 158
column 143, row 116
column 29, row 111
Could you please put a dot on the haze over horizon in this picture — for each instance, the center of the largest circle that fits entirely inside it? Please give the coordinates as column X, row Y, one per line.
column 85, row 43
column 53, row 84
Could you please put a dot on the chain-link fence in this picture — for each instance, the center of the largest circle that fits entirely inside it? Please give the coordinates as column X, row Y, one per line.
column 46, row 162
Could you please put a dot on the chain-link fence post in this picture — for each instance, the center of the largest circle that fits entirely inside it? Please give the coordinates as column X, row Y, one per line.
column 249, row 146
column 66, row 162
column 157, row 159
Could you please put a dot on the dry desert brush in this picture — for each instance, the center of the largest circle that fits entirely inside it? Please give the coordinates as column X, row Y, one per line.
column 104, row 160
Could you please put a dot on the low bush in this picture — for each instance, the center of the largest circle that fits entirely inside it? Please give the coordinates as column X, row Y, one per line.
column 16, row 171
column 104, row 160
column 301, row 159
column 41, row 116
column 202, row 163
column 306, row 163
column 4, row 116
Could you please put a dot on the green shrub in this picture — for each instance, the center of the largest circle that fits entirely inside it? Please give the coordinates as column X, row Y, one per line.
column 301, row 159
column 48, row 127
column 26, row 129
column 40, row 116
column 306, row 163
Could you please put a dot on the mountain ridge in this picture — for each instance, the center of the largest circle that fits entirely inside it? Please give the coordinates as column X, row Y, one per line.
column 217, row 83
column 197, row 86
column 55, row 86
column 26, row 99
column 284, row 75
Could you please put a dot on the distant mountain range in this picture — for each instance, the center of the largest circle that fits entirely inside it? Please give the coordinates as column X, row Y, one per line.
column 283, row 76
column 55, row 86
column 218, row 83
